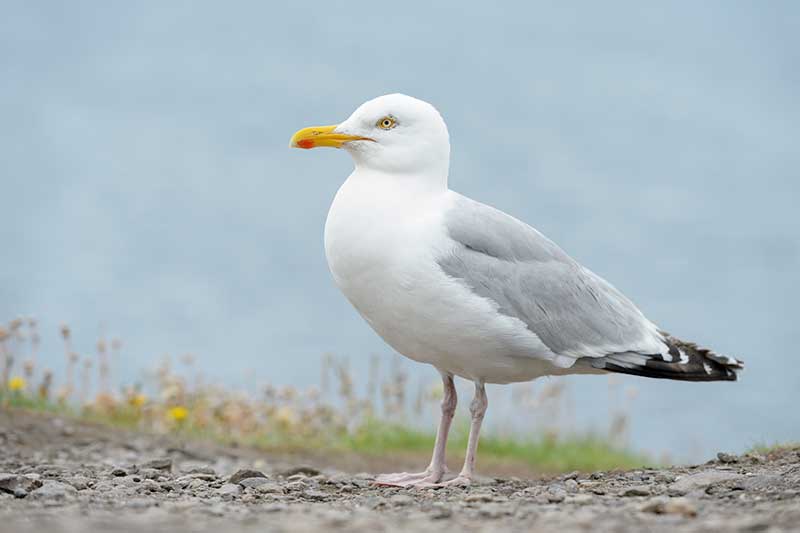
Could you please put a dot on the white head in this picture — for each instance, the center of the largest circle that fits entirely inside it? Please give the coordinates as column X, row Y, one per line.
column 394, row 134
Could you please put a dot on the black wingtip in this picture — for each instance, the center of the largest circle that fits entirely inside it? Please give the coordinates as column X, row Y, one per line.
column 684, row 361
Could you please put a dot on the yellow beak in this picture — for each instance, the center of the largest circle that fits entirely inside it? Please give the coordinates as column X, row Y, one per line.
column 322, row 136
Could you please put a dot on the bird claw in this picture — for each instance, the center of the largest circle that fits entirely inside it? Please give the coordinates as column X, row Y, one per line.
column 458, row 481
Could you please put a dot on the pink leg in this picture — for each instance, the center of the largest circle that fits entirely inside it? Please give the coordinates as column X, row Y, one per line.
column 477, row 409
column 437, row 468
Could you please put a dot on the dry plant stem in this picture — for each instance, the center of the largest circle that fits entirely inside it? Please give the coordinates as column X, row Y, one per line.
column 437, row 468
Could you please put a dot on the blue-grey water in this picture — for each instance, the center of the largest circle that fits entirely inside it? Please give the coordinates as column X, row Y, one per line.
column 147, row 190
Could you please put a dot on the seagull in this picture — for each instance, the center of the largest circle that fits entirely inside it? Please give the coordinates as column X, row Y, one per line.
column 464, row 287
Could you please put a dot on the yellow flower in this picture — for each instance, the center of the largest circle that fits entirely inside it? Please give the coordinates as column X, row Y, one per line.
column 16, row 384
column 285, row 416
column 137, row 400
column 178, row 413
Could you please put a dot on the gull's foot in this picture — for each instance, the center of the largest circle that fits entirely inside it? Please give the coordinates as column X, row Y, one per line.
column 404, row 479
column 458, row 481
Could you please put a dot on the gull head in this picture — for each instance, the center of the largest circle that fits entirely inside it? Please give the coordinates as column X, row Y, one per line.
column 394, row 133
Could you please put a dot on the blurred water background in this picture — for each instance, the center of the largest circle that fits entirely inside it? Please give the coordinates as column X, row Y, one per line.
column 147, row 191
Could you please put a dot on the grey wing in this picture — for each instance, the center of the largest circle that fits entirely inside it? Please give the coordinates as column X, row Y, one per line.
column 573, row 311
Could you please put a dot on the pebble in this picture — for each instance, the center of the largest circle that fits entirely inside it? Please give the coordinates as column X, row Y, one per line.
column 700, row 480
column 301, row 469
column 681, row 506
column 245, row 473
column 53, row 490
column 315, row 495
column 270, row 489
column 665, row 505
column 479, row 497
column 195, row 484
column 18, row 485
column 296, row 486
column 727, row 458
column 164, row 463
column 229, row 490
column 201, row 469
column 253, row 482
column 636, row 490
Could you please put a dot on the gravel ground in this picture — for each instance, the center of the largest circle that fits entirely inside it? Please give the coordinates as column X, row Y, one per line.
column 61, row 475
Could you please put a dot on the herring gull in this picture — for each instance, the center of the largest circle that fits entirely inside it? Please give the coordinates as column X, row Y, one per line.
column 476, row 293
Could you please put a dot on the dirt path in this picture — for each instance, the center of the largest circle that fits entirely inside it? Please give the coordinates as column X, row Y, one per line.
column 60, row 475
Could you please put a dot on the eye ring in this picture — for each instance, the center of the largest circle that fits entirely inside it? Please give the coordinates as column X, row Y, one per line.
column 386, row 123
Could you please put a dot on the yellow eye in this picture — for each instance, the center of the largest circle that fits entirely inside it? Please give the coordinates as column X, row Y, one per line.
column 387, row 123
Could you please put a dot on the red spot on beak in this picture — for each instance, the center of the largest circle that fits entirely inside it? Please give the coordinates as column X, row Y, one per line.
column 305, row 143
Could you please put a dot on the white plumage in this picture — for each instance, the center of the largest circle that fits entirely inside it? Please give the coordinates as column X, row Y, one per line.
column 466, row 288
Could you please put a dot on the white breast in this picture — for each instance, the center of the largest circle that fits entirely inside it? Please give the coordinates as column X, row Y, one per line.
column 382, row 239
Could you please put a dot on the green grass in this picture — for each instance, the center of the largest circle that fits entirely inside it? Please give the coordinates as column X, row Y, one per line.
column 376, row 438
column 766, row 449
column 585, row 453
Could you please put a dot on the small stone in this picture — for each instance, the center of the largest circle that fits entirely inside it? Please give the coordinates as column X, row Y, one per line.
column 164, row 463
column 270, row 488
column 119, row 472
column 245, row 473
column 150, row 485
column 571, row 485
column 53, row 490
column 80, row 482
column 201, row 469
column 664, row 477
column 700, row 480
column 196, row 483
column 11, row 483
column 204, row 477
column 665, row 505
column 654, row 505
column 680, row 506
column 315, row 495
column 302, row 469
column 556, row 495
column 129, row 481
column 296, row 486
column 727, row 458
column 253, row 482
column 229, row 490
column 479, row 497
column 636, row 490
column 297, row 477
column 151, row 473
